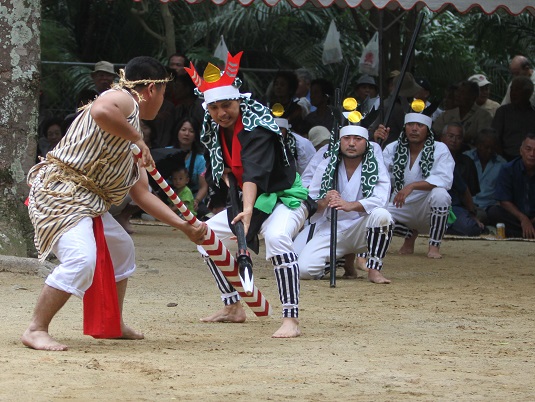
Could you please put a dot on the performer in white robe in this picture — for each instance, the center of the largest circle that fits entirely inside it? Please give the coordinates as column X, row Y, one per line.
column 421, row 171
column 363, row 223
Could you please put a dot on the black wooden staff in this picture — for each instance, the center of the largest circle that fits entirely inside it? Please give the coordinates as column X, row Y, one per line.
column 245, row 264
column 408, row 56
column 338, row 118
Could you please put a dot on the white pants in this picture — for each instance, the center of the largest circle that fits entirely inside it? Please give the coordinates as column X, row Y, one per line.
column 76, row 250
column 417, row 214
column 278, row 230
column 314, row 254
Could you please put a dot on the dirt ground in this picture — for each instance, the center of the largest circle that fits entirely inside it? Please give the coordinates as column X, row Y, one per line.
column 456, row 329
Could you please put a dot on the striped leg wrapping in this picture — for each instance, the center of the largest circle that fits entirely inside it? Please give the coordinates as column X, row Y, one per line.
column 218, row 253
column 229, row 295
column 403, row 231
column 287, row 275
column 439, row 219
column 378, row 240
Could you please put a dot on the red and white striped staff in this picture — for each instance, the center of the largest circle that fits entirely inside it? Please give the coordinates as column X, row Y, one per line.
column 214, row 248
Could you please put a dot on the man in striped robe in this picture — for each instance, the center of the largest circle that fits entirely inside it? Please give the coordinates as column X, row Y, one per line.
column 73, row 188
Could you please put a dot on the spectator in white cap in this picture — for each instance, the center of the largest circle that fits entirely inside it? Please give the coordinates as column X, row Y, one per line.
column 103, row 76
column 483, row 100
column 301, row 148
column 421, row 170
column 319, row 136
column 364, row 224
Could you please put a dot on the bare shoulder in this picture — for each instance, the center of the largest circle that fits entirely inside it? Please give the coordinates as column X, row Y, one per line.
column 113, row 99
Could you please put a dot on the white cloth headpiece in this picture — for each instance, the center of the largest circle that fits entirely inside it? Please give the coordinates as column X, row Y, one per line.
column 221, row 93
column 418, row 118
column 354, row 130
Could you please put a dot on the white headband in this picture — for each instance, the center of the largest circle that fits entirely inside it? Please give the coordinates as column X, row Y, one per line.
column 354, row 130
column 418, row 118
column 221, row 93
column 282, row 123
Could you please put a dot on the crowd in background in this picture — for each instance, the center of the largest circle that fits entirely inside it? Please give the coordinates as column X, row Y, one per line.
column 488, row 140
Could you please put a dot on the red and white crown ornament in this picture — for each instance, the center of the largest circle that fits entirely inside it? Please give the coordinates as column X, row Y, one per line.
column 215, row 85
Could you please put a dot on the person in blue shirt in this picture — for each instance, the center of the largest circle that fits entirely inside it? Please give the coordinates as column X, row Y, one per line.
column 488, row 164
column 515, row 190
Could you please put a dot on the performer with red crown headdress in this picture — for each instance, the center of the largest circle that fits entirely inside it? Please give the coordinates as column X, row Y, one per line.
column 244, row 141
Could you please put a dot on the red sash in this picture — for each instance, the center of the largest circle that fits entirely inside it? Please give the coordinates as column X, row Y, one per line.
column 234, row 160
column 102, row 318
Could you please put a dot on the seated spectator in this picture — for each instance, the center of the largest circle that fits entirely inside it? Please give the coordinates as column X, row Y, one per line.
column 283, row 91
column 520, row 67
column 515, row 191
column 319, row 136
column 52, row 130
column 304, row 78
column 321, row 93
column 465, row 185
column 488, row 164
column 177, row 62
column 103, row 76
column 513, row 121
column 453, row 136
column 179, row 184
column 483, row 100
column 366, row 91
column 187, row 139
column 467, row 112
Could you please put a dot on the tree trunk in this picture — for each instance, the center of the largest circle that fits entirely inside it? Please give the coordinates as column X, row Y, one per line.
column 19, row 94
column 169, row 26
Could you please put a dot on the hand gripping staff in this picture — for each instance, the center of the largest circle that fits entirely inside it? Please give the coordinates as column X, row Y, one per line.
column 245, row 264
column 214, row 248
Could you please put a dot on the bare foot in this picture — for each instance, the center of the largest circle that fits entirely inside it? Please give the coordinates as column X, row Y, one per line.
column 376, row 276
column 41, row 340
column 129, row 333
column 408, row 244
column 288, row 329
column 434, row 252
column 361, row 264
column 231, row 313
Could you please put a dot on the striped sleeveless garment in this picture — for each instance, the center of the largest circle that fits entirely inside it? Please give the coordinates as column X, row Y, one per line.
column 87, row 172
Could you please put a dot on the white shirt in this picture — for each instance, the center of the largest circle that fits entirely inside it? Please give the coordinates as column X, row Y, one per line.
column 351, row 191
column 305, row 152
column 441, row 174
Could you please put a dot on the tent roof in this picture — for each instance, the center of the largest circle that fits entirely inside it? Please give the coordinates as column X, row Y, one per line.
column 488, row 6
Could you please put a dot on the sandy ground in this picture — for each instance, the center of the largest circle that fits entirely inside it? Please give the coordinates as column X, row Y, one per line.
column 460, row 328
